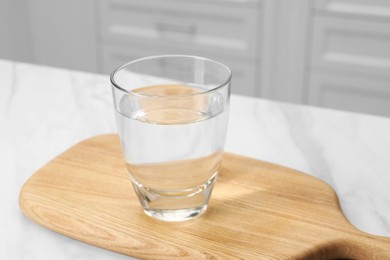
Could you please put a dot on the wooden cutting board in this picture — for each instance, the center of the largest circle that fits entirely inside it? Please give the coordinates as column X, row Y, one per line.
column 258, row 210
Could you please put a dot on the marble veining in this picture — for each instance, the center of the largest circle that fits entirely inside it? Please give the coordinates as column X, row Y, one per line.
column 44, row 111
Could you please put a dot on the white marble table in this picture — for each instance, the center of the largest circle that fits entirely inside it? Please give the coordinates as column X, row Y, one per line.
column 44, row 111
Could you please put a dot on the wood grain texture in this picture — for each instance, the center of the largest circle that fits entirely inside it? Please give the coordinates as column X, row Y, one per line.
column 257, row 210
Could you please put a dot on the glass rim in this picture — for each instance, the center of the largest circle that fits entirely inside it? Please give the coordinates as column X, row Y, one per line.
column 219, row 86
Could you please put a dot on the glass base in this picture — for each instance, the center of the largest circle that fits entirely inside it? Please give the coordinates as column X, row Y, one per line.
column 176, row 214
column 177, row 205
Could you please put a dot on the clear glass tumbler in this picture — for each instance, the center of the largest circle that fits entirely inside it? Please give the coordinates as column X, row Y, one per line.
column 172, row 114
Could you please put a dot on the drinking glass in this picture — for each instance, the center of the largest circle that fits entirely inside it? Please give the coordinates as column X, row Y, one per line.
column 172, row 114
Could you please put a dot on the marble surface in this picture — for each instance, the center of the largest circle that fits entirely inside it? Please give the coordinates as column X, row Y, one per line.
column 44, row 111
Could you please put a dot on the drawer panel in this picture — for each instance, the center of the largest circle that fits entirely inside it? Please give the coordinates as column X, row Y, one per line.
column 362, row 46
column 243, row 81
column 350, row 93
column 190, row 24
column 369, row 8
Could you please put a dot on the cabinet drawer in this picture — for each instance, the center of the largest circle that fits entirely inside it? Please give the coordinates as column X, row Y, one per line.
column 194, row 25
column 350, row 93
column 243, row 81
column 364, row 8
column 362, row 46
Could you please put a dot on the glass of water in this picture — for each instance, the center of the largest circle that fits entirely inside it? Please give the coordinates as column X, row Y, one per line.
column 172, row 115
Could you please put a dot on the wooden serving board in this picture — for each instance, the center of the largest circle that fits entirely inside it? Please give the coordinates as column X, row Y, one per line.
column 257, row 210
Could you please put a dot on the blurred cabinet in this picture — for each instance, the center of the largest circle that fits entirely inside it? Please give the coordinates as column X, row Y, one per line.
column 62, row 33
column 329, row 53
column 14, row 40
column 49, row 32
column 345, row 92
column 222, row 30
column 349, row 64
